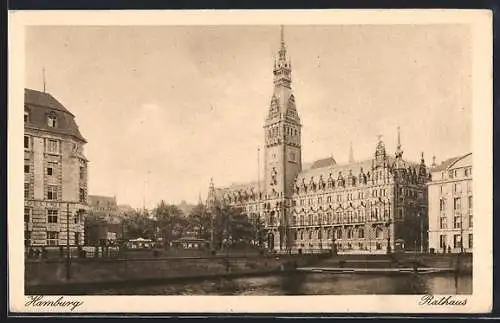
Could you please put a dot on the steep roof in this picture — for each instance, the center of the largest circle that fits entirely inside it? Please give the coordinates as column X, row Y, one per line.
column 448, row 163
column 325, row 162
column 40, row 104
column 100, row 200
column 345, row 169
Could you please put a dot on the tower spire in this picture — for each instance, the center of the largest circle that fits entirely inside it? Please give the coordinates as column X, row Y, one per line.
column 399, row 137
column 282, row 52
column 399, row 151
column 282, row 35
column 43, row 79
column 351, row 153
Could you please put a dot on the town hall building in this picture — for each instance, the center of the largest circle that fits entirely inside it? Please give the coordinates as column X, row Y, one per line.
column 375, row 205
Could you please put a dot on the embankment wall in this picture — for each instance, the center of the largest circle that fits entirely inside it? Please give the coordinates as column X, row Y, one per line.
column 53, row 272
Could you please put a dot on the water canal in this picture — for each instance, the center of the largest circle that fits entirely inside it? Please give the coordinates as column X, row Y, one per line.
column 310, row 284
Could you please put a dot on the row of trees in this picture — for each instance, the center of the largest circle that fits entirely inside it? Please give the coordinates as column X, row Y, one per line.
column 224, row 225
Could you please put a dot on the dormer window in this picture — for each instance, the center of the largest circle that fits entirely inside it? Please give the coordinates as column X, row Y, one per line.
column 51, row 120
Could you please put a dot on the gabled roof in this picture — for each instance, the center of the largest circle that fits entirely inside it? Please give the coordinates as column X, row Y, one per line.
column 40, row 104
column 448, row 163
column 325, row 162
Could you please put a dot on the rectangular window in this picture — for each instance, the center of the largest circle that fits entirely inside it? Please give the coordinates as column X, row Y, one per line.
column 82, row 172
column 456, row 203
column 442, row 241
column 50, row 171
column 27, row 238
column 450, row 174
column 52, row 146
column 441, row 205
column 456, row 241
column 27, row 214
column 329, row 199
column 51, row 121
column 443, row 223
column 471, row 221
column 470, row 202
column 457, row 222
column 82, row 195
column 26, row 116
column 52, row 238
column 26, row 142
column 26, row 190
column 51, row 192
column 320, row 200
column 52, row 216
column 466, row 172
column 26, row 169
column 441, row 189
column 470, row 241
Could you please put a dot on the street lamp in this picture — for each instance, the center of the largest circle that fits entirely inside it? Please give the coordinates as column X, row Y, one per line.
column 421, row 232
column 388, row 225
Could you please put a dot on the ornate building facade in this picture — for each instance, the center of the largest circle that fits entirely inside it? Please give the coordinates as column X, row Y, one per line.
column 55, row 173
column 367, row 206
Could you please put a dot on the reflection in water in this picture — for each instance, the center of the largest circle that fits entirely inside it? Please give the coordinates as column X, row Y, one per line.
column 312, row 284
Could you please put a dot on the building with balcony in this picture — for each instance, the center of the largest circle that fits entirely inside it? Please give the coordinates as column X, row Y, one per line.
column 55, row 173
column 450, row 205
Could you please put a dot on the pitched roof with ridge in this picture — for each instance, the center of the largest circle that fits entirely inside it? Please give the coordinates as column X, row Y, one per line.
column 448, row 163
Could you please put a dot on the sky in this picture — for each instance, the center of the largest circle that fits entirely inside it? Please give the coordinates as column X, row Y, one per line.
column 166, row 108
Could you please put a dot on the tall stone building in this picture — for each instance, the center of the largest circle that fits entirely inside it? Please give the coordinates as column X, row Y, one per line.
column 55, row 173
column 450, row 205
column 103, row 223
column 366, row 206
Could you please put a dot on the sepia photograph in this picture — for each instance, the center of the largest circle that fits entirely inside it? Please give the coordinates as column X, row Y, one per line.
column 336, row 158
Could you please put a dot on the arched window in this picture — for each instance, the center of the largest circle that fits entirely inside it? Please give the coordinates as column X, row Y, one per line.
column 338, row 234
column 320, row 234
column 301, row 235
column 349, row 233
column 379, row 233
column 361, row 233
column 271, row 218
column 310, row 235
column 310, row 220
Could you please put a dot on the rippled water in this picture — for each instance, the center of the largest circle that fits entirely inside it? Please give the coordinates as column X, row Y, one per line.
column 311, row 284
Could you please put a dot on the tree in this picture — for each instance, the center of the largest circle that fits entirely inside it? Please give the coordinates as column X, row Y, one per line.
column 232, row 227
column 138, row 225
column 171, row 222
column 200, row 222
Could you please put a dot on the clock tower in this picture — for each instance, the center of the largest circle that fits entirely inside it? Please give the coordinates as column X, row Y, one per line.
column 282, row 154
